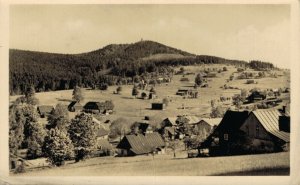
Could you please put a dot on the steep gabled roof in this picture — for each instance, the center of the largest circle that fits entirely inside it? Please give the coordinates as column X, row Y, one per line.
column 105, row 145
column 172, row 120
column 269, row 118
column 141, row 144
column 212, row 121
column 154, row 140
column 232, row 121
column 193, row 119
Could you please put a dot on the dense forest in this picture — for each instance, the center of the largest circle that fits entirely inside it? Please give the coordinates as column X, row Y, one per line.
column 111, row 64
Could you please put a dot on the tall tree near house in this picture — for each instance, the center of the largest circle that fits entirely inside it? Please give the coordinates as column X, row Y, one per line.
column 28, row 98
column 199, row 79
column 57, row 144
column 58, row 147
column 83, row 134
column 16, row 129
column 34, row 132
column 59, row 118
column 77, row 94
column 120, row 127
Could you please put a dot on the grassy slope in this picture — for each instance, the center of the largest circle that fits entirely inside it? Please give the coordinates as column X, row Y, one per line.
column 264, row 164
column 135, row 109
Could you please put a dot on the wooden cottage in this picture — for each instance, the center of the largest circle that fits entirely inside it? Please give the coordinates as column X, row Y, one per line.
column 75, row 106
column 206, row 126
column 138, row 144
column 255, row 97
column 45, row 110
column 98, row 107
column 226, row 135
column 267, row 129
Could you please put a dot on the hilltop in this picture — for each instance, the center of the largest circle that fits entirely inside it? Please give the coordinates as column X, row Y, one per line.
column 53, row 71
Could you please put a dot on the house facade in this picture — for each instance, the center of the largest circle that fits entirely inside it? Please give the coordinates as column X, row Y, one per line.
column 263, row 128
column 225, row 138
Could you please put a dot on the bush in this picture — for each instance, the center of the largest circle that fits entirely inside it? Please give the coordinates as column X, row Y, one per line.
column 250, row 82
column 20, row 168
column 184, row 79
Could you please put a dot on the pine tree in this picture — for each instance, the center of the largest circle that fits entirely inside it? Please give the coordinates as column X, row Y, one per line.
column 30, row 96
column 34, row 132
column 16, row 129
column 83, row 134
column 77, row 94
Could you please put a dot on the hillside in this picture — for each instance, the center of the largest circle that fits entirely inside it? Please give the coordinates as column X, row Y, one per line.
column 52, row 71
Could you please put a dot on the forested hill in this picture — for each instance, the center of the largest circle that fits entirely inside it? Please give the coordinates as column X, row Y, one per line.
column 50, row 71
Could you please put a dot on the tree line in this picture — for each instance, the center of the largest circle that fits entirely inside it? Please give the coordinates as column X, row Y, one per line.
column 111, row 65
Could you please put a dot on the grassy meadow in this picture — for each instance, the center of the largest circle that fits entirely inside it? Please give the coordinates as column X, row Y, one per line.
column 166, row 165
column 135, row 109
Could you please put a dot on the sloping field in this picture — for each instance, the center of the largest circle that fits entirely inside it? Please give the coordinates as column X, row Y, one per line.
column 166, row 165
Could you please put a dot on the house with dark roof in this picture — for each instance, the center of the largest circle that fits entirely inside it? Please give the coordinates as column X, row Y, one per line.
column 139, row 144
column 45, row 110
column 75, row 106
column 98, row 107
column 226, row 134
column 256, row 96
column 267, row 130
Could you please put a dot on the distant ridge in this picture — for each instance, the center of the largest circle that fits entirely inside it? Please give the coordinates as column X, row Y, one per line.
column 53, row 71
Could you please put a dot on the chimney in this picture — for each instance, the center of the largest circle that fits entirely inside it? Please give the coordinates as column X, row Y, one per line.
column 284, row 123
column 284, row 109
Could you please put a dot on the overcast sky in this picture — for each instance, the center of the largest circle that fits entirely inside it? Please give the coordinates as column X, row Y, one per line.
column 232, row 31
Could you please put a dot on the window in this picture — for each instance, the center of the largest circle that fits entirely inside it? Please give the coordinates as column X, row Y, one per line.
column 226, row 137
column 257, row 131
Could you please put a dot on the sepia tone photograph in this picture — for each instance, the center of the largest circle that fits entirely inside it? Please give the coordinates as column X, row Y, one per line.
column 149, row 90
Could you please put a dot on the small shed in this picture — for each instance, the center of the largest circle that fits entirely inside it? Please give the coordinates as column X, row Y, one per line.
column 158, row 106
column 75, row 106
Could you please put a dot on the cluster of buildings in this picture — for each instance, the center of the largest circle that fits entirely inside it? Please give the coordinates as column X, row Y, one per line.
column 259, row 131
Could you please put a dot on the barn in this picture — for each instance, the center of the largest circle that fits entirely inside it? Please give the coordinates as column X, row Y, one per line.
column 75, row 106
column 98, row 107
column 267, row 129
column 139, row 144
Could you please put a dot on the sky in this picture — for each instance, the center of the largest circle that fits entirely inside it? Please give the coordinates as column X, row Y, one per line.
column 246, row 32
